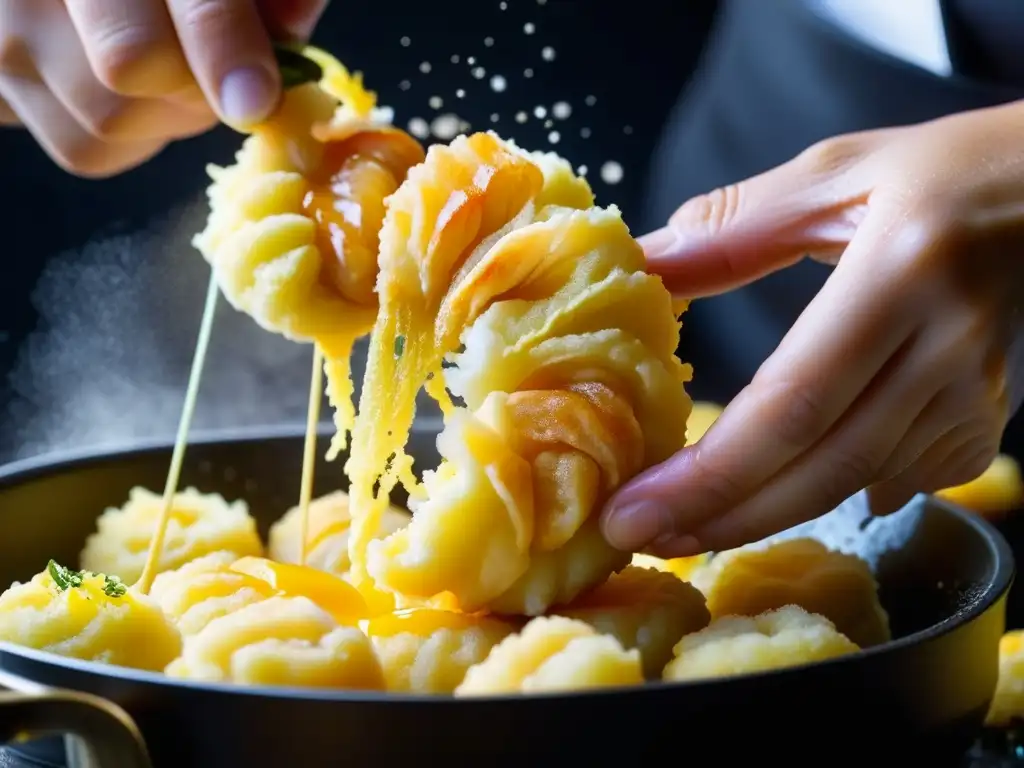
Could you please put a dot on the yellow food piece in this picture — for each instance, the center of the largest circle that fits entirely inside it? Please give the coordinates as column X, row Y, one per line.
column 553, row 654
column 424, row 650
column 644, row 609
column 219, row 585
column 735, row 645
column 83, row 622
column 1008, row 702
column 1000, row 488
column 804, row 572
column 682, row 567
column 200, row 523
column 280, row 641
column 292, row 234
column 567, row 371
column 701, row 418
column 329, row 526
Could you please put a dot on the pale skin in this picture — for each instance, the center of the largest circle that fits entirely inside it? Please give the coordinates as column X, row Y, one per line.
column 895, row 377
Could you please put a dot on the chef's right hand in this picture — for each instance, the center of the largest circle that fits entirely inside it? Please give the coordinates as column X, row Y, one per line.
column 103, row 85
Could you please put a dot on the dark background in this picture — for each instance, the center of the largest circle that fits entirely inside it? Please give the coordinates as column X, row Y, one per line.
column 101, row 295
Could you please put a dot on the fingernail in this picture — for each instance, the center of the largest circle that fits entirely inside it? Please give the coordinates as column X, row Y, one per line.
column 633, row 526
column 669, row 546
column 248, row 95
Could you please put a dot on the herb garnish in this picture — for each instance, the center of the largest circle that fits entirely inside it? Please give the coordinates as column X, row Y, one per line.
column 114, row 587
column 295, row 68
column 399, row 345
column 66, row 578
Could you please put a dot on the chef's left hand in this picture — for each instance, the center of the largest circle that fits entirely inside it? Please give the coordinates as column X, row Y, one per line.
column 896, row 376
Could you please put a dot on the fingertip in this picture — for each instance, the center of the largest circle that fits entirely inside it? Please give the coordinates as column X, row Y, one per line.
column 249, row 95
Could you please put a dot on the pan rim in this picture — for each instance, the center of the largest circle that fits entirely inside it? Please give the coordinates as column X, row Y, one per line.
column 19, row 471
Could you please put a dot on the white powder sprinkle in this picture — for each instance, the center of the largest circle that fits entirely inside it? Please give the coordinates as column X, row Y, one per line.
column 611, row 172
column 561, row 110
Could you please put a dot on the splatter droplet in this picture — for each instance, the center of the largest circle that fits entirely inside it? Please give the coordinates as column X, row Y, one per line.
column 446, row 127
column 529, row 27
column 628, row 129
column 582, row 170
column 460, row 93
column 488, row 41
column 455, row 58
column 528, row 72
column 436, row 102
column 405, row 85
column 521, row 117
column 554, row 137
column 540, row 112
column 547, row 53
column 561, row 110
column 479, row 72
column 585, row 133
column 419, row 128
column 498, row 83
column 611, row 172
column 405, row 41
column 425, row 67
column 590, row 101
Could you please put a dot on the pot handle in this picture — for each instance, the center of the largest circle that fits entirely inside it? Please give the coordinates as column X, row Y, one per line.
column 107, row 732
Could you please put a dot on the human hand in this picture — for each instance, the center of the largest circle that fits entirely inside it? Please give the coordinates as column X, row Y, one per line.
column 895, row 377
column 103, row 85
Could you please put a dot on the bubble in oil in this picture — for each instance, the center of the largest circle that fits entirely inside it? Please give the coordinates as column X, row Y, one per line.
column 478, row 72
column 521, row 117
column 528, row 72
column 498, row 83
column 419, row 128
column 561, row 110
column 540, row 112
column 554, row 137
column 405, row 41
column 425, row 67
column 405, row 85
column 436, row 102
column 547, row 53
column 611, row 172
column 590, row 100
column 529, row 27
column 584, row 133
column 488, row 41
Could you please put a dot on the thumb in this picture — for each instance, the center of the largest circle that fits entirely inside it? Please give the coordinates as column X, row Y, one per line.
column 731, row 236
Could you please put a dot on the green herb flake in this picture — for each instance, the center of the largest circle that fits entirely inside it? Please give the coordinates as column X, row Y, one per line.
column 399, row 346
column 64, row 578
column 295, row 68
column 114, row 587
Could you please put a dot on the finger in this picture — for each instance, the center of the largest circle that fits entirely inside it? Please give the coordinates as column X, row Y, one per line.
column 63, row 138
column 739, row 233
column 7, row 115
column 848, row 460
column 131, row 46
column 64, row 67
column 836, row 348
column 292, row 20
column 230, row 54
column 920, row 476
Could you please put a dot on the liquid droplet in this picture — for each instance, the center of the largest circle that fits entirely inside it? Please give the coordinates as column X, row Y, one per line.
column 521, row 117
column 527, row 72
column 540, row 112
column 529, row 27
column 590, row 101
column 405, row 85
column 611, row 172
column 446, row 127
column 498, row 83
column 561, row 110
column 436, row 102
column 547, row 53
column 495, row 117
column 405, row 41
column 425, row 67
column 479, row 72
column 460, row 94
column 582, row 170
column 455, row 58
column 419, row 128
column 503, row 5
column 488, row 41
column 585, row 133
column 471, row 60
column 554, row 137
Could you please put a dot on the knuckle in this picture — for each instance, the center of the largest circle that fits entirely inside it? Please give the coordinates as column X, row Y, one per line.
column 850, row 471
column 209, row 17
column 709, row 213
column 831, row 154
column 118, row 53
column 802, row 416
column 975, row 461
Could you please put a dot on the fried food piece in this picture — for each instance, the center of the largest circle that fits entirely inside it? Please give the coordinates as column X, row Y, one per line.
column 201, row 523
column 553, row 654
column 645, row 609
column 682, row 567
column 735, row 645
column 424, row 650
column 219, row 585
column 701, row 418
column 1008, row 703
column 280, row 641
column 89, row 616
column 804, row 572
column 329, row 527
column 998, row 489
column 292, row 234
column 567, row 371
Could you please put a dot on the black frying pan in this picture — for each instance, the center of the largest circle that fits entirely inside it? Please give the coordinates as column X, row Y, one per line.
column 944, row 576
